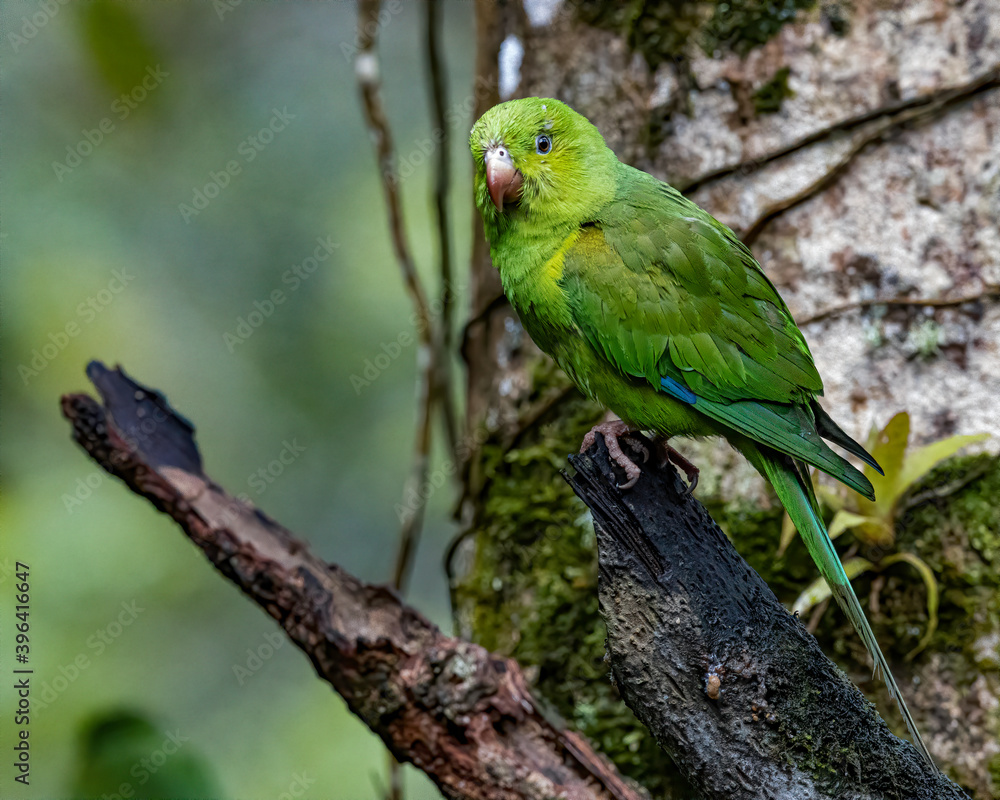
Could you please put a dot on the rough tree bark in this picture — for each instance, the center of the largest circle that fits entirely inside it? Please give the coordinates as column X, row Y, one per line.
column 464, row 716
column 729, row 682
column 856, row 146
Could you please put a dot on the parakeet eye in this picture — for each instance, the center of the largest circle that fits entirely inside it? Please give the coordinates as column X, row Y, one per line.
column 543, row 144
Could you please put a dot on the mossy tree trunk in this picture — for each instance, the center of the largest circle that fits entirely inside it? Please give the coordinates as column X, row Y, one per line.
column 856, row 147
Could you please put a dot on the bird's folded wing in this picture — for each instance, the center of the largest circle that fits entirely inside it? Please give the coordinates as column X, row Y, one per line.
column 666, row 293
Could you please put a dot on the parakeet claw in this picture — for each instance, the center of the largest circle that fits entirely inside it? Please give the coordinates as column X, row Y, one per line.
column 612, row 431
column 689, row 469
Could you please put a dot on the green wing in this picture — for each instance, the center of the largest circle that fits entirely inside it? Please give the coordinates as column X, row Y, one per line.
column 665, row 292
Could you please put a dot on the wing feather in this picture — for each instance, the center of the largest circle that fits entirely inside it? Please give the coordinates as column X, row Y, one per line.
column 664, row 292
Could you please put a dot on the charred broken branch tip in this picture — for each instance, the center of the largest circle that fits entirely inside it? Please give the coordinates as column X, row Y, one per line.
column 726, row 679
column 459, row 713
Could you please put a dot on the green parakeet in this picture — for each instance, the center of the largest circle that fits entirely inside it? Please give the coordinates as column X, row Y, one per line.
column 658, row 312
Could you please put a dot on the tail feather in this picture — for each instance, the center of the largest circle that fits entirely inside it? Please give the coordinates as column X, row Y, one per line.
column 795, row 491
column 829, row 429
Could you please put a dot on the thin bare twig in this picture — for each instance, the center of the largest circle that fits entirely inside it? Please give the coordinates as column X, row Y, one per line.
column 367, row 71
column 430, row 362
column 482, row 317
column 366, row 68
column 442, row 178
column 887, row 124
column 988, row 80
column 823, row 182
column 542, row 408
column 442, row 182
column 991, row 291
column 413, row 512
column 553, row 398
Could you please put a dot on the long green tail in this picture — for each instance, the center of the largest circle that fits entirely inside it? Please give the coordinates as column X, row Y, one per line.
column 791, row 481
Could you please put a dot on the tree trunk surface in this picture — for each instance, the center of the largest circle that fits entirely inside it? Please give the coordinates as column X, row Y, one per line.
column 729, row 683
column 856, row 148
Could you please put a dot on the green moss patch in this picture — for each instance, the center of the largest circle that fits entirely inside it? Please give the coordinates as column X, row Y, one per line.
column 661, row 30
column 769, row 97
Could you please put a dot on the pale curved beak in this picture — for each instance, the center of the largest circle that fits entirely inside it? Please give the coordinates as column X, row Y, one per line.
column 502, row 178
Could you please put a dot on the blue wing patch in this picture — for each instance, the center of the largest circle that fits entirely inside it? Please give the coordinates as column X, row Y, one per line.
column 678, row 390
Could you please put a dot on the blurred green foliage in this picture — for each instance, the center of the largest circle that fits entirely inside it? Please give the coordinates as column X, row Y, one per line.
column 98, row 262
column 122, row 752
column 116, row 43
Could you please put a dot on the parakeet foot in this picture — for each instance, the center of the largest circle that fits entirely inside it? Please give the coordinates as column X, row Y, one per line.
column 685, row 466
column 612, row 431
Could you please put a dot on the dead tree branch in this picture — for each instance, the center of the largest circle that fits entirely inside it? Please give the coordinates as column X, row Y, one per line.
column 728, row 681
column 459, row 713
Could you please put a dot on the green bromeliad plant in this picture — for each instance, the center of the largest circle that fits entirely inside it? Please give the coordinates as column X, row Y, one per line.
column 873, row 522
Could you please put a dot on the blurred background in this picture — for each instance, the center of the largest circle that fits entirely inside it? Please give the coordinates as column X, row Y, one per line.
column 166, row 168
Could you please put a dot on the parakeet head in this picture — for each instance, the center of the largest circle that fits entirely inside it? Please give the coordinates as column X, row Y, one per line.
column 537, row 159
